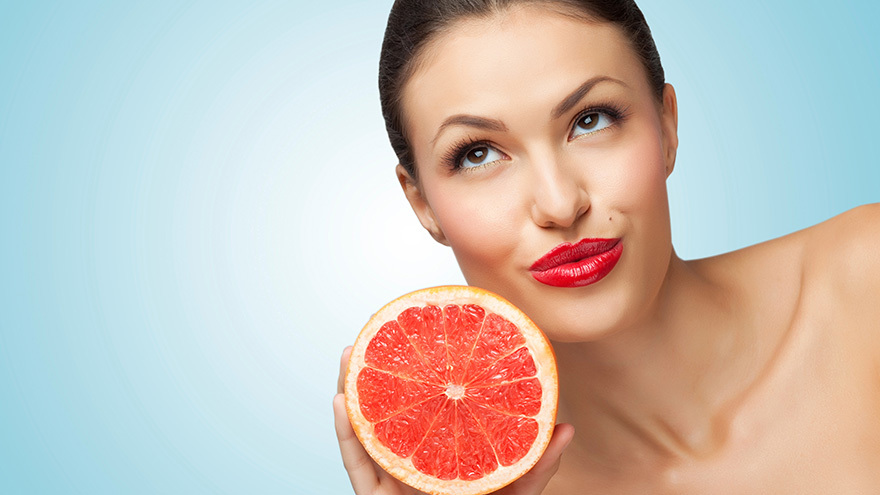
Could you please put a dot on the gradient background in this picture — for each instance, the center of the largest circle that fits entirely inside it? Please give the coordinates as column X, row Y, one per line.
column 199, row 210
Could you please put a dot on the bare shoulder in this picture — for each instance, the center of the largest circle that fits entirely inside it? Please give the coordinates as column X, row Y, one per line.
column 842, row 272
column 830, row 270
column 844, row 251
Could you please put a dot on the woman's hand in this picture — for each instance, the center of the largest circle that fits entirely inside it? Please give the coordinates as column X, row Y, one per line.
column 367, row 478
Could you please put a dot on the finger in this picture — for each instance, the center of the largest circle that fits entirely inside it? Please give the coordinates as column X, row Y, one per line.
column 343, row 367
column 537, row 478
column 361, row 470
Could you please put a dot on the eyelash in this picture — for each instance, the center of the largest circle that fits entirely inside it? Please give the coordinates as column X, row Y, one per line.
column 453, row 158
column 617, row 114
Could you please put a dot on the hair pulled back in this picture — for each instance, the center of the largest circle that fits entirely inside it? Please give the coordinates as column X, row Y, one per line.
column 414, row 23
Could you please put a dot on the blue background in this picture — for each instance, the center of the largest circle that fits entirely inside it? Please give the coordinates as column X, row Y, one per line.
column 199, row 210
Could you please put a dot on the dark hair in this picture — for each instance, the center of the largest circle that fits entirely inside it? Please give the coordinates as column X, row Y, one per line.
column 414, row 23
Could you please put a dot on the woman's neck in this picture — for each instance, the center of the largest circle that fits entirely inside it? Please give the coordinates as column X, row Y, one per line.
column 665, row 388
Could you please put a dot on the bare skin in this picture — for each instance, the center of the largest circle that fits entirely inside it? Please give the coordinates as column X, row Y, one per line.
column 782, row 396
column 756, row 371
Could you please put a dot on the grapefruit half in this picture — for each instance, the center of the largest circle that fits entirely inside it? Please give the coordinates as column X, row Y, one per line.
column 452, row 390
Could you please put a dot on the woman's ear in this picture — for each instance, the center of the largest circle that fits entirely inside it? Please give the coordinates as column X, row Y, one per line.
column 669, row 125
column 420, row 205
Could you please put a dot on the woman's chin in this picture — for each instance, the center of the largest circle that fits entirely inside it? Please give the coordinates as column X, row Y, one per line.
column 569, row 315
column 582, row 320
column 578, row 332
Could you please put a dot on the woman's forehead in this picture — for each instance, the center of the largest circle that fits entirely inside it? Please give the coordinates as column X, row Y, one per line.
column 526, row 54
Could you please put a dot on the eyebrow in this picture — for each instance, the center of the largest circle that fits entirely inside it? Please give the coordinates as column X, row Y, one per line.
column 471, row 121
column 564, row 106
column 577, row 95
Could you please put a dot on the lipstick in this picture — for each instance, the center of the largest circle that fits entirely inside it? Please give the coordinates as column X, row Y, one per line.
column 576, row 265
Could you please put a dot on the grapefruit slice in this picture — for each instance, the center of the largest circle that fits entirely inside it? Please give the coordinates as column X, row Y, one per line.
column 452, row 390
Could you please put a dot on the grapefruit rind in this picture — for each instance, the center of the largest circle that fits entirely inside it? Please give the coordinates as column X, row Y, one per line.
column 545, row 362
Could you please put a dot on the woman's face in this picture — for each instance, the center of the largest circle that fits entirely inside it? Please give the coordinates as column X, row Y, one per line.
column 530, row 130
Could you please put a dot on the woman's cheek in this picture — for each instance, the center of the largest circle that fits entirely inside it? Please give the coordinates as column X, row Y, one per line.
column 644, row 203
column 640, row 180
column 482, row 233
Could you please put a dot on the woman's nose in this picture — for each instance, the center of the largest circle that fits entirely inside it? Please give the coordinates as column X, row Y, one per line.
column 560, row 197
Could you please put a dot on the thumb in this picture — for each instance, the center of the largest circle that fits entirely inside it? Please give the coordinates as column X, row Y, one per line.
column 533, row 482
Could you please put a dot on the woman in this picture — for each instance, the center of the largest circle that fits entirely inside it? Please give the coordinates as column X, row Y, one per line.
column 535, row 139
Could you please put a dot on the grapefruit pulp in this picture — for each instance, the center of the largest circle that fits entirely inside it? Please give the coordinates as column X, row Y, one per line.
column 452, row 390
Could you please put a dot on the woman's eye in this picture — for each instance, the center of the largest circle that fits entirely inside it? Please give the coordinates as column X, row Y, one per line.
column 480, row 155
column 590, row 122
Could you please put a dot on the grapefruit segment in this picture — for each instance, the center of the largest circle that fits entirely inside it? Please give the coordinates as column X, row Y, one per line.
column 404, row 431
column 425, row 329
column 463, row 324
column 452, row 390
column 515, row 366
column 476, row 457
column 384, row 395
column 392, row 351
column 435, row 456
column 510, row 436
column 497, row 339
column 521, row 398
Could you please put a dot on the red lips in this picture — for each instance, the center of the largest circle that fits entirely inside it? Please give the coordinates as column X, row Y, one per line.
column 577, row 265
